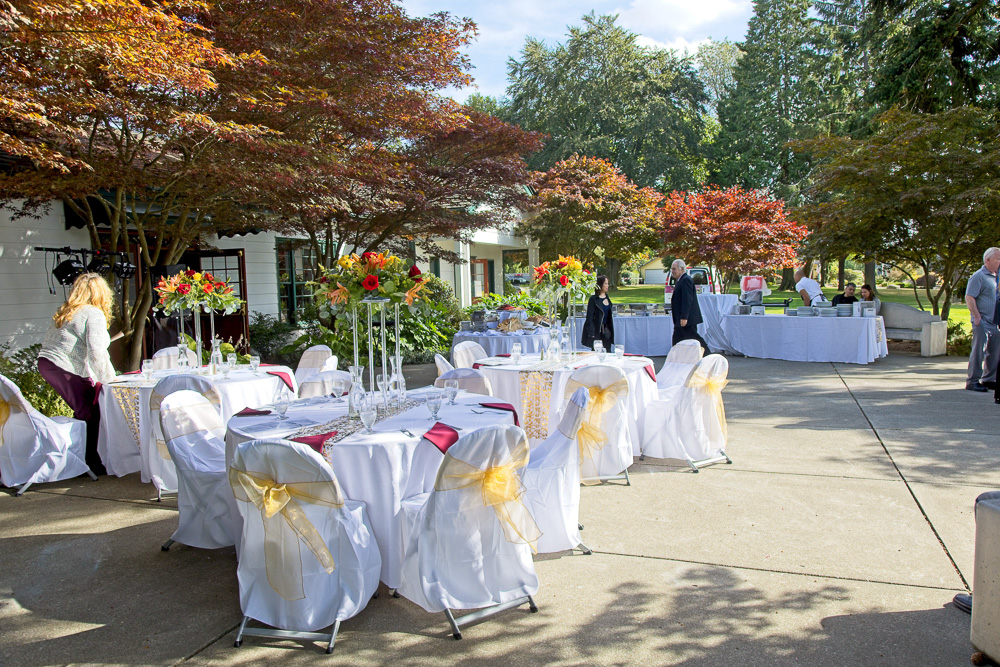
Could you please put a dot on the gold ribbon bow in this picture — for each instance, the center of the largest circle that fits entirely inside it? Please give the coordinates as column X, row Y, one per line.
column 286, row 523
column 5, row 410
column 714, row 386
column 501, row 489
column 591, row 437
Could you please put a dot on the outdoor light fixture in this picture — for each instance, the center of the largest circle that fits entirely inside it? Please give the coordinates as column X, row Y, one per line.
column 67, row 271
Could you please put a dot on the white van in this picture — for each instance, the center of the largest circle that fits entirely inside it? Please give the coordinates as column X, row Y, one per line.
column 704, row 282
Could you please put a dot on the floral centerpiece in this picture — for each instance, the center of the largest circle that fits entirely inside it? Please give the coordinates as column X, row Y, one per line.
column 194, row 290
column 368, row 275
column 562, row 277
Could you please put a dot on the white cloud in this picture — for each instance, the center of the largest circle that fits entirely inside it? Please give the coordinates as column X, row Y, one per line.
column 681, row 17
column 679, row 44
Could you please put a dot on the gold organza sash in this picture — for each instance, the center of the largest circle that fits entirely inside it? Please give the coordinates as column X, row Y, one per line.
column 714, row 386
column 501, row 489
column 286, row 525
column 5, row 410
column 591, row 437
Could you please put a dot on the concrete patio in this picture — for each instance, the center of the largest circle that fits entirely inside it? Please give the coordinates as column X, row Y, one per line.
column 838, row 537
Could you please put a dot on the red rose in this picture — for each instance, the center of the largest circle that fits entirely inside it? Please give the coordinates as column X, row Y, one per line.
column 207, row 288
column 190, row 273
column 414, row 271
column 564, row 280
column 586, row 271
column 417, row 279
column 208, row 277
column 561, row 265
column 324, row 280
column 183, row 289
column 366, row 255
column 370, row 282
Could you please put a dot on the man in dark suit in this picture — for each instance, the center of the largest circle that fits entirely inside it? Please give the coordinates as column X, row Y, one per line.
column 684, row 306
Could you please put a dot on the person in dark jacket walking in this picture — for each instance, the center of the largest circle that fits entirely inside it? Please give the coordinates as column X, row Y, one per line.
column 599, row 325
column 684, row 306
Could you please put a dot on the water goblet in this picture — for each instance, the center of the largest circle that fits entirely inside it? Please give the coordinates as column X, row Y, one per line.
column 451, row 390
column 598, row 346
column 147, row 370
column 515, row 352
column 434, row 404
column 369, row 412
column 182, row 357
column 619, row 351
column 281, row 401
column 380, row 382
column 231, row 360
column 601, row 355
column 338, row 391
column 254, row 364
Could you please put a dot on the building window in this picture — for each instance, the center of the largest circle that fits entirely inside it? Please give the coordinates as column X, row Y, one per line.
column 436, row 267
column 296, row 266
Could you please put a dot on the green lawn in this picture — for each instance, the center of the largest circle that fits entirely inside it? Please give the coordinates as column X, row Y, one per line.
column 654, row 294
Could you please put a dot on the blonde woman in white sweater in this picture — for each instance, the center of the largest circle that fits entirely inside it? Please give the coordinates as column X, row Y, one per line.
column 74, row 358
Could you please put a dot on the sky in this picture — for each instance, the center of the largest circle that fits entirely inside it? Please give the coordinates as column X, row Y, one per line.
column 503, row 27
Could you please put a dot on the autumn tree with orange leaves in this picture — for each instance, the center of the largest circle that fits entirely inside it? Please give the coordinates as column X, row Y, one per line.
column 736, row 231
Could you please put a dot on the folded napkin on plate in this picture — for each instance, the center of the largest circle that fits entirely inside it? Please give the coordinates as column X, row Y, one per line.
column 503, row 406
column 315, row 441
column 262, row 365
column 442, row 436
column 650, row 371
column 285, row 377
column 250, row 412
column 633, row 354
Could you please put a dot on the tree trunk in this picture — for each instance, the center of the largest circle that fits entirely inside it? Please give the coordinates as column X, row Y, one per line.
column 787, row 280
column 823, row 277
column 841, row 268
column 870, row 276
column 614, row 271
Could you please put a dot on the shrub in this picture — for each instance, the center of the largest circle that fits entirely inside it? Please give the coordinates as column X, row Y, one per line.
column 853, row 276
column 21, row 368
column 440, row 292
column 929, row 279
column 628, row 277
column 959, row 339
column 267, row 336
column 516, row 299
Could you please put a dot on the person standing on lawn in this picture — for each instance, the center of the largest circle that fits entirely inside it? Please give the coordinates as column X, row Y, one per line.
column 981, row 297
column 684, row 308
column 599, row 325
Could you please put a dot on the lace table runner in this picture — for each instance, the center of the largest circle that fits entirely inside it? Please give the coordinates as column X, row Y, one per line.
column 128, row 401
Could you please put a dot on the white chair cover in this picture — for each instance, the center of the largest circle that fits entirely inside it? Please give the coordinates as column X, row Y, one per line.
column 331, row 364
column 680, row 363
column 605, row 440
column 469, row 379
column 167, row 358
column 688, row 422
column 195, row 434
column 552, row 480
column 35, row 448
column 321, row 384
column 467, row 353
column 311, row 362
column 443, row 365
column 161, row 468
column 460, row 553
column 302, row 592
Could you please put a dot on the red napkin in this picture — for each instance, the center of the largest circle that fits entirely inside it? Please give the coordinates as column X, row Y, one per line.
column 502, row 354
column 250, row 412
column 442, row 436
column 315, row 441
column 632, row 354
column 650, row 371
column 476, row 366
column 132, row 373
column 503, row 406
column 285, row 377
column 262, row 365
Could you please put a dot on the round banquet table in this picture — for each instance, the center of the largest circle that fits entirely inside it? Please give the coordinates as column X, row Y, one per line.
column 850, row 340
column 126, row 430
column 651, row 335
column 381, row 469
column 499, row 343
column 538, row 393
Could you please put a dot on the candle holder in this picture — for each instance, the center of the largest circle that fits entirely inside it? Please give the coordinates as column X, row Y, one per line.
column 374, row 302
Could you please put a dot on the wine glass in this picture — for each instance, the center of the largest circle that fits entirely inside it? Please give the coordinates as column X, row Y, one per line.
column 451, row 390
column 598, row 346
column 147, row 369
column 601, row 354
column 338, row 390
column 380, row 382
column 619, row 351
column 281, row 401
column 182, row 357
column 254, row 363
column 515, row 352
column 369, row 413
column 434, row 404
column 231, row 360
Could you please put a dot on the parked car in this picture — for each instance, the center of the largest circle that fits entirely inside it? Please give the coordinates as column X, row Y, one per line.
column 518, row 278
column 704, row 281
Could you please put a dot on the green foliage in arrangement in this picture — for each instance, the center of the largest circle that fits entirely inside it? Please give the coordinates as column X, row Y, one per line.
column 495, row 301
column 21, row 368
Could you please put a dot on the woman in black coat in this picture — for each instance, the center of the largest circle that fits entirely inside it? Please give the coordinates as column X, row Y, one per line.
column 599, row 324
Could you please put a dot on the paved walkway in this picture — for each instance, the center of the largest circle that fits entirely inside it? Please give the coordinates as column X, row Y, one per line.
column 838, row 537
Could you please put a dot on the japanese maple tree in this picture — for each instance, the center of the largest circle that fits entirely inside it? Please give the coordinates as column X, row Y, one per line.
column 733, row 230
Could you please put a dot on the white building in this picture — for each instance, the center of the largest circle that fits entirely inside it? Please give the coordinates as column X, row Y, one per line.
column 268, row 270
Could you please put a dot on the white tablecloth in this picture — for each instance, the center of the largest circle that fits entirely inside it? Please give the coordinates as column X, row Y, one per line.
column 381, row 469
column 852, row 340
column 122, row 436
column 652, row 335
column 495, row 343
column 538, row 423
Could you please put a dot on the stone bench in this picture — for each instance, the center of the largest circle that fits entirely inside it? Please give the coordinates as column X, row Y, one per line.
column 904, row 322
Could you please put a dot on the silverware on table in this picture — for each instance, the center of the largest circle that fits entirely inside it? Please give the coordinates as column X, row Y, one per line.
column 403, row 430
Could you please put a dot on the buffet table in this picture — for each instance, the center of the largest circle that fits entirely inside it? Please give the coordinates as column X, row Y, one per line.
column 495, row 342
column 851, row 340
column 651, row 335
column 381, row 469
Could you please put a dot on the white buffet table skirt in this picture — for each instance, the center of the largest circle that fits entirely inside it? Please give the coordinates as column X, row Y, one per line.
column 539, row 395
column 651, row 335
column 499, row 343
column 125, row 421
column 381, row 469
column 852, row 340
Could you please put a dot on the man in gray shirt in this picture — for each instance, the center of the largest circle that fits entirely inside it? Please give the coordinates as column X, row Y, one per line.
column 981, row 295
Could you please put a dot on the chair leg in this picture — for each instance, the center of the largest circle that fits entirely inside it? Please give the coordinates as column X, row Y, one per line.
column 579, row 526
column 694, row 468
column 455, row 631
column 22, row 489
column 166, row 545
column 239, row 633
column 90, row 473
column 587, row 551
column 333, row 637
column 531, row 605
column 628, row 482
column 394, row 592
